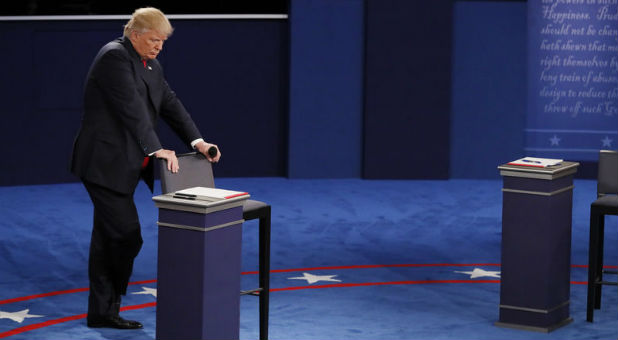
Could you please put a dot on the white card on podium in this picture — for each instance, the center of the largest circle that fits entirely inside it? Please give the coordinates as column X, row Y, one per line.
column 536, row 162
column 210, row 192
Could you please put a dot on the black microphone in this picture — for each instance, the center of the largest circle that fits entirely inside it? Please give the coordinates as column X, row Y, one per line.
column 212, row 151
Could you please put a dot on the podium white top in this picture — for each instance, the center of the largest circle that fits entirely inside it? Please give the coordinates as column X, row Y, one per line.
column 550, row 173
column 192, row 204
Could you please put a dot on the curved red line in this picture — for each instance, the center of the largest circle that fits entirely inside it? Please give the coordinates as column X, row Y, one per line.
column 41, row 325
column 586, row 266
column 365, row 266
column 143, row 282
column 36, row 296
column 60, row 292
column 368, row 266
column 364, row 284
column 48, row 323
column 134, row 307
column 335, row 285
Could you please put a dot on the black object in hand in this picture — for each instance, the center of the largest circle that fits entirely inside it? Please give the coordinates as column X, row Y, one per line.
column 212, row 151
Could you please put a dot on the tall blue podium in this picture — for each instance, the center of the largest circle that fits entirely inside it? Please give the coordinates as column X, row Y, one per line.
column 536, row 246
column 199, row 266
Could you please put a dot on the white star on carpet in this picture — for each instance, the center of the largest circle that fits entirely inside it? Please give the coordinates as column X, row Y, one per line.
column 555, row 140
column 314, row 278
column 607, row 142
column 478, row 272
column 18, row 316
column 146, row 291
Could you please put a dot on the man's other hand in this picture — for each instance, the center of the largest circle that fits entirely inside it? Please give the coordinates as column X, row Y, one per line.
column 170, row 157
column 203, row 147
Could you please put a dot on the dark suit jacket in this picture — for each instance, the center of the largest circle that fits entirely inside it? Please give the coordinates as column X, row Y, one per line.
column 122, row 103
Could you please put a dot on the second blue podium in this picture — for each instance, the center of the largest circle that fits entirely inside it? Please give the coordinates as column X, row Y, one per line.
column 536, row 246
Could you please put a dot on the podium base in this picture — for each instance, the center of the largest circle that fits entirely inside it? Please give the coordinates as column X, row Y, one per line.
column 533, row 328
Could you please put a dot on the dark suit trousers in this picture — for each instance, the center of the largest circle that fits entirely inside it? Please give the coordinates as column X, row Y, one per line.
column 116, row 241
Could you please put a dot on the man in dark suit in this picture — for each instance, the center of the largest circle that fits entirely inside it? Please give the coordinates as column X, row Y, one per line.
column 125, row 94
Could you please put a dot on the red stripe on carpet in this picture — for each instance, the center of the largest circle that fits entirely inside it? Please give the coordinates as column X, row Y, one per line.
column 336, row 285
column 60, row 292
column 366, row 266
column 364, row 284
column 48, row 323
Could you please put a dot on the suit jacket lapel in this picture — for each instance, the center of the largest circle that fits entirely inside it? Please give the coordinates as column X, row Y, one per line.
column 146, row 74
column 149, row 77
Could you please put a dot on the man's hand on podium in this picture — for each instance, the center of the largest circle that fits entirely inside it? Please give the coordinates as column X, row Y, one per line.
column 211, row 151
column 170, row 157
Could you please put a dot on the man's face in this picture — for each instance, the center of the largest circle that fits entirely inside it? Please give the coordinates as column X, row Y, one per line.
column 148, row 44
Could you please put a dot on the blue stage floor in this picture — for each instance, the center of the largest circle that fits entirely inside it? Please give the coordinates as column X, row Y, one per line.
column 392, row 260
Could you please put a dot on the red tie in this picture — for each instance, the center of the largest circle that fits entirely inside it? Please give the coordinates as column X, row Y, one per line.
column 144, row 61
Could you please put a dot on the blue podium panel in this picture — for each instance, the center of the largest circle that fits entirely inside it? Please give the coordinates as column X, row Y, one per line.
column 536, row 246
column 199, row 265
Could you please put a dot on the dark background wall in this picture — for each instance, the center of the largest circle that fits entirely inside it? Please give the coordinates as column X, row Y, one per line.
column 349, row 88
column 326, row 88
column 407, row 89
column 488, row 88
column 231, row 75
column 81, row 7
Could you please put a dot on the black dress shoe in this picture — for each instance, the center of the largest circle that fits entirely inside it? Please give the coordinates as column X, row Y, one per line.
column 114, row 322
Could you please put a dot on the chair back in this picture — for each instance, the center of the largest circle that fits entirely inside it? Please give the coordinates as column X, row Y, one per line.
column 607, row 180
column 195, row 171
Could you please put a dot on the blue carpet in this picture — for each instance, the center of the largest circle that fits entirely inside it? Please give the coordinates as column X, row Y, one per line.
column 394, row 251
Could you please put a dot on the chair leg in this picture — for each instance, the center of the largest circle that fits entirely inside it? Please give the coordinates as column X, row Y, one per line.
column 264, row 258
column 599, row 269
column 592, row 264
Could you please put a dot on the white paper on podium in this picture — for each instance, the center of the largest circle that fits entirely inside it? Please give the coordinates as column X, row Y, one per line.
column 536, row 162
column 211, row 192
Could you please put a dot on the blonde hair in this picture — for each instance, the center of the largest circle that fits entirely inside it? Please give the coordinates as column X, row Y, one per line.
column 148, row 18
